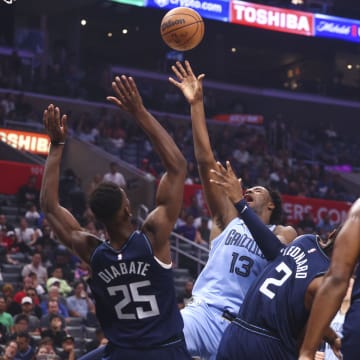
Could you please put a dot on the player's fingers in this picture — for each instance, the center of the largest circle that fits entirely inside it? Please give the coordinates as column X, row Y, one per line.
column 114, row 100
column 229, row 168
column 116, row 89
column 177, row 73
column 201, row 77
column 221, row 167
column 174, row 82
column 45, row 118
column 181, row 68
column 126, row 84
column 122, row 84
column 133, row 88
column 57, row 117
column 64, row 119
column 217, row 174
column 188, row 68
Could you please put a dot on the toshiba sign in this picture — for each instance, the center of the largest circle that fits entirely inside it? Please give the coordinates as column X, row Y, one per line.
column 272, row 18
column 36, row 143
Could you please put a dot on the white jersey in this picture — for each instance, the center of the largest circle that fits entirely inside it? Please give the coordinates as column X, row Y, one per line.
column 235, row 261
column 337, row 325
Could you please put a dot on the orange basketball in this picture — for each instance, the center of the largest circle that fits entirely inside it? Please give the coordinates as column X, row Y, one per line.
column 182, row 28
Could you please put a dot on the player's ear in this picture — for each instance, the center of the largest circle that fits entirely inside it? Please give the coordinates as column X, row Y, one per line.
column 271, row 206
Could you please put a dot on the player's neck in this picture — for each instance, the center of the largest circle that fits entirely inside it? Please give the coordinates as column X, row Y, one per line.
column 119, row 235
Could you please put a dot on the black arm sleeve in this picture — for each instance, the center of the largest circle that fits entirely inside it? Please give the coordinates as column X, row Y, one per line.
column 268, row 242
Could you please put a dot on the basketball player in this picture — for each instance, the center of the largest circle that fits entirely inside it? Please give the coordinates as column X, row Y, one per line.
column 344, row 261
column 235, row 259
column 275, row 310
column 132, row 280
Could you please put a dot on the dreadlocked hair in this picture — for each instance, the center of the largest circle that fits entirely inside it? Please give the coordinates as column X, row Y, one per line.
column 105, row 201
column 276, row 215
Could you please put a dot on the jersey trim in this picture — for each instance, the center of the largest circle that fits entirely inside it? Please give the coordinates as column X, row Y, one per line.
column 162, row 264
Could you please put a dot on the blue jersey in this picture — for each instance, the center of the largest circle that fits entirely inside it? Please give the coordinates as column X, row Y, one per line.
column 134, row 294
column 274, row 304
column 235, row 261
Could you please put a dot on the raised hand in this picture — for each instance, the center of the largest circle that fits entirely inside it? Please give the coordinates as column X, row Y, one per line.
column 188, row 83
column 55, row 125
column 226, row 178
column 127, row 97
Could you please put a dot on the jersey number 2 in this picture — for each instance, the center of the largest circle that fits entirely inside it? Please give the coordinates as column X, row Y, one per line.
column 131, row 293
column 282, row 267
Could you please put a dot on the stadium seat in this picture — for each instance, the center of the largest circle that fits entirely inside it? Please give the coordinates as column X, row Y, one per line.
column 75, row 331
column 74, row 321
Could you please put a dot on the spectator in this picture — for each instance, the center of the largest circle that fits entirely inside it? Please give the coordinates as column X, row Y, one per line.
column 10, row 351
column 40, row 289
column 27, row 308
column 4, row 335
column 68, row 347
column 27, row 284
column 46, row 243
column 28, row 192
column 5, row 318
column 26, row 236
column 12, row 306
column 204, row 230
column 5, row 226
column 54, row 294
column 115, row 176
column 96, row 180
column 32, row 215
column 53, row 309
column 21, row 325
column 79, row 304
column 32, row 293
column 36, row 267
column 57, row 279
column 55, row 331
column 189, row 231
column 307, row 224
column 82, row 271
column 185, row 297
column 63, row 260
column 25, row 350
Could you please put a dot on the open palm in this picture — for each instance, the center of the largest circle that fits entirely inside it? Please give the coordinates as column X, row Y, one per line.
column 188, row 83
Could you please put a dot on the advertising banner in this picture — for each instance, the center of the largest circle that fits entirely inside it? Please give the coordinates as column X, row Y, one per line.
column 337, row 28
column 272, row 18
column 35, row 143
column 238, row 119
column 211, row 9
column 293, row 206
column 14, row 175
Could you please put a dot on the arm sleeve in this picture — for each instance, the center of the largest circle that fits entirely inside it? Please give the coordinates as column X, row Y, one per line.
column 268, row 242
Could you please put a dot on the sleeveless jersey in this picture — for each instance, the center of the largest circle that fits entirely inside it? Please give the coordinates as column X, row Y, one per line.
column 134, row 295
column 275, row 302
column 235, row 261
column 355, row 295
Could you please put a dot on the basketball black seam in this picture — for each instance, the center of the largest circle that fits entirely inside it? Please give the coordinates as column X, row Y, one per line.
column 182, row 27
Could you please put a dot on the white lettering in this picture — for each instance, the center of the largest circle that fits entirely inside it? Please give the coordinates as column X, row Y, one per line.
column 333, row 28
column 272, row 18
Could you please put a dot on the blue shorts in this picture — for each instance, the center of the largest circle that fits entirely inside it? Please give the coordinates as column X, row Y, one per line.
column 351, row 331
column 203, row 329
column 240, row 343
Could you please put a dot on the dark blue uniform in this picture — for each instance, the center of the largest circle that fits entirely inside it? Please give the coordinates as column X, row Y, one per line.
column 351, row 329
column 136, row 303
column 273, row 314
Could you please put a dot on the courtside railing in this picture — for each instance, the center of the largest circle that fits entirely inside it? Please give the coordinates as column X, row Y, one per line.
column 186, row 253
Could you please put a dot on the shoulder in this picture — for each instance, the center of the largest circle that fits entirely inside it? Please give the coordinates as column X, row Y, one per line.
column 286, row 234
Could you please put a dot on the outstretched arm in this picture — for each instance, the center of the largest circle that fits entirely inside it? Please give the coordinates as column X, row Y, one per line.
column 268, row 243
column 332, row 291
column 169, row 196
column 219, row 205
column 61, row 220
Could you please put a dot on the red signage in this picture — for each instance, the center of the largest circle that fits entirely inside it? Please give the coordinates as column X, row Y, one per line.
column 36, row 143
column 272, row 18
column 14, row 174
column 293, row 206
column 238, row 119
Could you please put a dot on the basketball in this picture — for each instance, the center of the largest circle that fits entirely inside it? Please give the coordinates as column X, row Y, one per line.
column 182, row 28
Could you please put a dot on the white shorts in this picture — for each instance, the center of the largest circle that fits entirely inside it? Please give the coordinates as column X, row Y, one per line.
column 203, row 329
